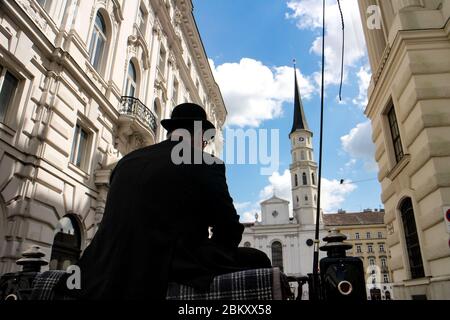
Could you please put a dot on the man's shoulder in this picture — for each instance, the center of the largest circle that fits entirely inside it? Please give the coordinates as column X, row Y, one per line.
column 147, row 150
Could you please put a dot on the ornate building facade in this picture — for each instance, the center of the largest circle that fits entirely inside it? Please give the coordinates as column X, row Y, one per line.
column 82, row 83
column 409, row 98
column 286, row 238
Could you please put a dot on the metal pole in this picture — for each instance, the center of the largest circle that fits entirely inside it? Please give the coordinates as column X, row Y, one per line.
column 316, row 242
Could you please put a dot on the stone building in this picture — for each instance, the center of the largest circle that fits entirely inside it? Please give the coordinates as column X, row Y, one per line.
column 366, row 231
column 82, row 83
column 409, row 99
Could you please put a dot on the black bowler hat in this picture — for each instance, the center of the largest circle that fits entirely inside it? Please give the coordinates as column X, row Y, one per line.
column 184, row 115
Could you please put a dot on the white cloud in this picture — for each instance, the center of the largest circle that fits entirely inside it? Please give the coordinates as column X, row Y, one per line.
column 364, row 76
column 308, row 15
column 333, row 194
column 254, row 92
column 358, row 144
column 278, row 184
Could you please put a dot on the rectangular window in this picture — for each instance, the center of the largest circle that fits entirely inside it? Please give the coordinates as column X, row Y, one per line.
column 141, row 18
column 395, row 134
column 381, row 247
column 369, row 248
column 368, row 235
column 98, row 42
column 8, row 86
column 357, row 235
column 80, row 146
column 358, row 249
column 175, row 91
column 385, row 278
column 380, row 235
column 162, row 60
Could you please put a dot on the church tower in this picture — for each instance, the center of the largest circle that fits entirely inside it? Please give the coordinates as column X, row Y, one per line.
column 303, row 168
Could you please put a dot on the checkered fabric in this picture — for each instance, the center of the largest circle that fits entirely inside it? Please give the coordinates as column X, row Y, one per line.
column 257, row 284
column 45, row 283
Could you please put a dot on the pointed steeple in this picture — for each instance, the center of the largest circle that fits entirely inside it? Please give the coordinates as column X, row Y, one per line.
column 299, row 122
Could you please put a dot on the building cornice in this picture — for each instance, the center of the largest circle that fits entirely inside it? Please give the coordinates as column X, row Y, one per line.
column 196, row 47
column 391, row 60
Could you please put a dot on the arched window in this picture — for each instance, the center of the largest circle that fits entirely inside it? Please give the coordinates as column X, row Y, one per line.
column 305, row 182
column 296, row 180
column 277, row 255
column 247, row 244
column 306, row 198
column 66, row 244
column 412, row 239
column 313, row 179
column 98, row 42
column 130, row 86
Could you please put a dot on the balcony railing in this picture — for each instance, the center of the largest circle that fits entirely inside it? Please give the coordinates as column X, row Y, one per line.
column 132, row 106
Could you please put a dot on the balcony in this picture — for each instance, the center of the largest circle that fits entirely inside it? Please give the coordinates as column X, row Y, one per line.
column 134, row 108
column 136, row 120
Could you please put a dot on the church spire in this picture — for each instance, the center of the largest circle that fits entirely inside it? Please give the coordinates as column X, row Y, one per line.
column 299, row 122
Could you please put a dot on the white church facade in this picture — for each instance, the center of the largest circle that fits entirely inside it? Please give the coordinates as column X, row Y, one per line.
column 288, row 239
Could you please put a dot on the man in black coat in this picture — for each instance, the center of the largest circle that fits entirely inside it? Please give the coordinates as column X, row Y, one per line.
column 155, row 225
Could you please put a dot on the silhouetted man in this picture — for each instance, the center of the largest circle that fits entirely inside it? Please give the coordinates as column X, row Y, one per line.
column 161, row 202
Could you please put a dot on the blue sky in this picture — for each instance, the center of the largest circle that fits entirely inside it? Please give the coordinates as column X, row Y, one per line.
column 251, row 45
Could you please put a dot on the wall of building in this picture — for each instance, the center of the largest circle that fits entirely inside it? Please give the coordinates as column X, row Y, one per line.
column 47, row 50
column 411, row 69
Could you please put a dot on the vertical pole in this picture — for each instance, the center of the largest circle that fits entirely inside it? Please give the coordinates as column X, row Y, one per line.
column 316, row 242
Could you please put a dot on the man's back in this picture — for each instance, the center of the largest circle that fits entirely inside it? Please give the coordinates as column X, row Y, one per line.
column 154, row 210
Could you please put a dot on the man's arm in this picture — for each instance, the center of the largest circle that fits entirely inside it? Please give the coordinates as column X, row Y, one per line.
column 226, row 228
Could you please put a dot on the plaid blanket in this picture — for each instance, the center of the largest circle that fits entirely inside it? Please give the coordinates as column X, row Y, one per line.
column 45, row 283
column 257, row 284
